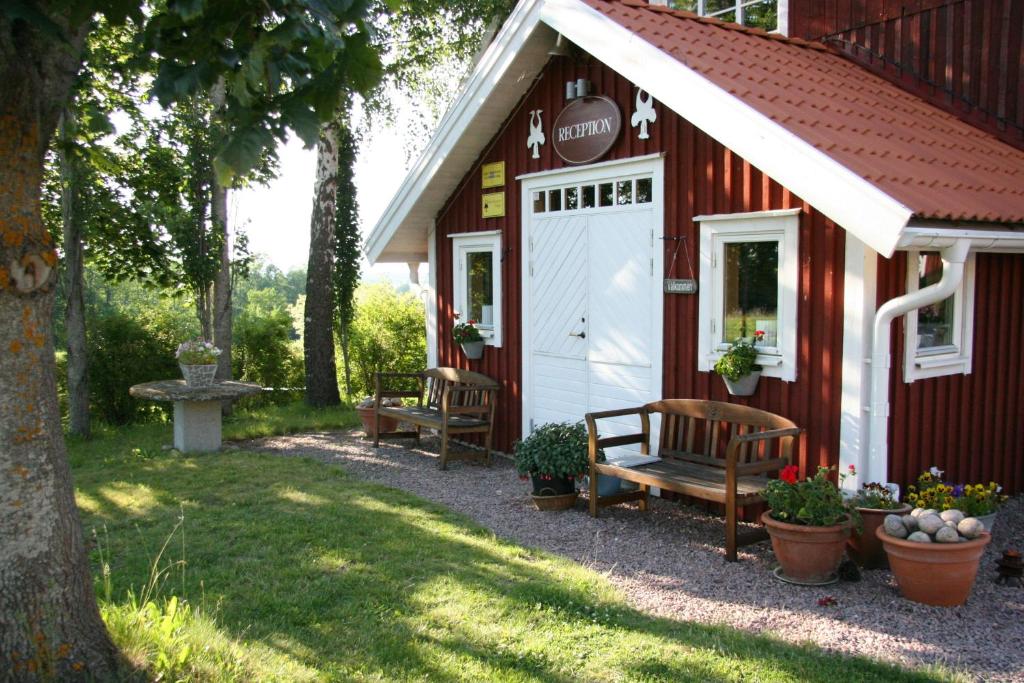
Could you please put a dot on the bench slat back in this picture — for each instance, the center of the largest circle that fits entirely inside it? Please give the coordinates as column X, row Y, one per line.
column 685, row 423
column 439, row 378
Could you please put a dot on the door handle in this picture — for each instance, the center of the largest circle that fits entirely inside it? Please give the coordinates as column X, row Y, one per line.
column 581, row 335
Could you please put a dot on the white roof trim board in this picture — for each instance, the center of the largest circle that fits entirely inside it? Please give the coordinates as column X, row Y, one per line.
column 840, row 194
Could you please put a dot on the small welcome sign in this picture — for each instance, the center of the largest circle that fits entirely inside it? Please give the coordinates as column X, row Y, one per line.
column 586, row 129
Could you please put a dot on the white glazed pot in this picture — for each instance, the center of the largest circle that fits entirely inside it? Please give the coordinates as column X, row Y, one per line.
column 744, row 386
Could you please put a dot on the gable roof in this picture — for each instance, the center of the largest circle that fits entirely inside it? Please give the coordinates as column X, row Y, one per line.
column 866, row 154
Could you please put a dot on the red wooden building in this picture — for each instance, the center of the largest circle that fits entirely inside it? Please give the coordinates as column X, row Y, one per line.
column 621, row 189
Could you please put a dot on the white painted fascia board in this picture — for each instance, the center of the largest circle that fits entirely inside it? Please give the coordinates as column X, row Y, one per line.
column 852, row 202
column 486, row 76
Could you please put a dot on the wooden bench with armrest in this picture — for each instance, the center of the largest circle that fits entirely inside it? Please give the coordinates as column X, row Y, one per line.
column 719, row 452
column 450, row 400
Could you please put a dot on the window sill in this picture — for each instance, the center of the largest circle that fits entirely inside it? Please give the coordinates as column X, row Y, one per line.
column 772, row 365
column 927, row 366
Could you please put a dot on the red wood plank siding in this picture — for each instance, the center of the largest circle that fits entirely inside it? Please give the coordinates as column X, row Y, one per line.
column 701, row 177
column 972, row 425
column 962, row 55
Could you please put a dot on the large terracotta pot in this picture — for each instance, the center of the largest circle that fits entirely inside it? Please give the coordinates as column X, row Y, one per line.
column 387, row 423
column 864, row 548
column 939, row 574
column 807, row 554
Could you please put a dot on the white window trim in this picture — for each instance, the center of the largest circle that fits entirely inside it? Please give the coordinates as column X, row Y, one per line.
column 462, row 244
column 715, row 232
column 938, row 364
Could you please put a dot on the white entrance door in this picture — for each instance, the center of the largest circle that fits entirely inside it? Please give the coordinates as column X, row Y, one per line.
column 593, row 310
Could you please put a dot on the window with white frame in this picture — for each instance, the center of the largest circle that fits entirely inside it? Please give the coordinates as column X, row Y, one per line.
column 476, row 261
column 764, row 14
column 938, row 336
column 749, row 273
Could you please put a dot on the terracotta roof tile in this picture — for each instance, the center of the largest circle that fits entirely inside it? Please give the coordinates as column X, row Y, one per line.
column 935, row 164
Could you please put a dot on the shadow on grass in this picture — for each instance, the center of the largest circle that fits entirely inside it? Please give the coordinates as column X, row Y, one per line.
column 360, row 581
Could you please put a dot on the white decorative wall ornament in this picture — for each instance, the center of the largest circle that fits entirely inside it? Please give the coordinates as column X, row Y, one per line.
column 536, row 138
column 644, row 113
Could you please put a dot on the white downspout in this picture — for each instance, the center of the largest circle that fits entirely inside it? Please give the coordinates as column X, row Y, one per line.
column 953, row 258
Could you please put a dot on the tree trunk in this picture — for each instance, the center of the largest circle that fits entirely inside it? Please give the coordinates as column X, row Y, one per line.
column 318, row 339
column 222, row 323
column 74, row 314
column 50, row 627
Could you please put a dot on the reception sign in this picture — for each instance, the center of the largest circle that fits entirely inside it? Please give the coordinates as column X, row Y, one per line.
column 586, row 129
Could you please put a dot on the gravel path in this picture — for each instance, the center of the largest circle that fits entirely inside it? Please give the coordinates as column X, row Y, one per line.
column 670, row 563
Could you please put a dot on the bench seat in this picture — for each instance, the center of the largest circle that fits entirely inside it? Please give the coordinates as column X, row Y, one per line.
column 450, row 400
column 718, row 452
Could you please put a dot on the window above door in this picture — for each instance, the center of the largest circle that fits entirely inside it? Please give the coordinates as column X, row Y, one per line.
column 603, row 194
column 938, row 337
column 476, row 260
column 748, row 285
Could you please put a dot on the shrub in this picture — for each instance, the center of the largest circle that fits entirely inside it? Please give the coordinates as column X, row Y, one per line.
column 264, row 353
column 123, row 352
column 387, row 334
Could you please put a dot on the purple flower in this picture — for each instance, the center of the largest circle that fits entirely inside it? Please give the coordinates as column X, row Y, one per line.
column 958, row 490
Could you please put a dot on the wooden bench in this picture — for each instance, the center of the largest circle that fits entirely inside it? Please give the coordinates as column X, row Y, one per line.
column 719, row 452
column 450, row 400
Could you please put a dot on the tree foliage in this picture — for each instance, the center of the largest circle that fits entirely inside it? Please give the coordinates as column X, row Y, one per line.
column 386, row 334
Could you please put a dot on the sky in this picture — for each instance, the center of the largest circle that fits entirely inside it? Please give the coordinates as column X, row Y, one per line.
column 276, row 216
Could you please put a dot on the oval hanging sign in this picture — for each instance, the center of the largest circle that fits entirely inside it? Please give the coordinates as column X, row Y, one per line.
column 586, row 129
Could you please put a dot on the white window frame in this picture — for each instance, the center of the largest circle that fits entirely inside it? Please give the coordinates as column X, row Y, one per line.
column 954, row 359
column 715, row 232
column 467, row 243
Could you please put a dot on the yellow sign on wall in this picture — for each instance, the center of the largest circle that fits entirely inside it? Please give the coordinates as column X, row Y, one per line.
column 494, row 204
column 493, row 175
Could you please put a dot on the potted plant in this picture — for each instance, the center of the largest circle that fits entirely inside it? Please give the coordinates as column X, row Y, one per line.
column 738, row 366
column 934, row 555
column 367, row 411
column 469, row 338
column 808, row 522
column 197, row 359
column 873, row 502
column 974, row 500
column 554, row 456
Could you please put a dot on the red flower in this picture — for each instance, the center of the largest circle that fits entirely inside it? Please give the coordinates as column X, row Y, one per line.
column 789, row 474
column 471, row 322
column 827, row 601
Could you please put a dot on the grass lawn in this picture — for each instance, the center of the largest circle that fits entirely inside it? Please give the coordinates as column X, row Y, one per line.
column 295, row 571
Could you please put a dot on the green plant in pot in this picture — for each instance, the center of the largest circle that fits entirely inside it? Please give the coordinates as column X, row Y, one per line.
column 197, row 359
column 554, row 456
column 738, row 366
column 873, row 502
column 808, row 522
column 469, row 338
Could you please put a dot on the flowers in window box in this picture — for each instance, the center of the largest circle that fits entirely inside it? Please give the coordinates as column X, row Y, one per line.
column 740, row 359
column 465, row 332
column 197, row 352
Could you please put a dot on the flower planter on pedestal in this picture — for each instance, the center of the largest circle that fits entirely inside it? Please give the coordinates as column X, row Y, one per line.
column 554, row 493
column 807, row 555
column 865, row 548
column 198, row 375
column 940, row 574
column 473, row 350
column 744, row 386
column 387, row 423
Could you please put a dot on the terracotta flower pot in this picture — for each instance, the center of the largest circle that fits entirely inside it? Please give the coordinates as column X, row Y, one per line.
column 939, row 574
column 387, row 423
column 864, row 548
column 807, row 554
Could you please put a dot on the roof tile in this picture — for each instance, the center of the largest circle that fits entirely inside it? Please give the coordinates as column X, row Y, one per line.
column 935, row 164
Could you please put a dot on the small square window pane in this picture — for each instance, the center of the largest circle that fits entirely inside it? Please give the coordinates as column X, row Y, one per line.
column 606, row 194
column 644, row 190
column 538, row 202
column 589, row 196
column 935, row 321
column 554, row 200
column 751, row 292
column 480, row 287
column 572, row 198
column 625, row 192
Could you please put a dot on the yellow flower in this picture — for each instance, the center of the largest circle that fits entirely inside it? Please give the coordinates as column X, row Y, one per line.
column 920, row 503
column 912, row 497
